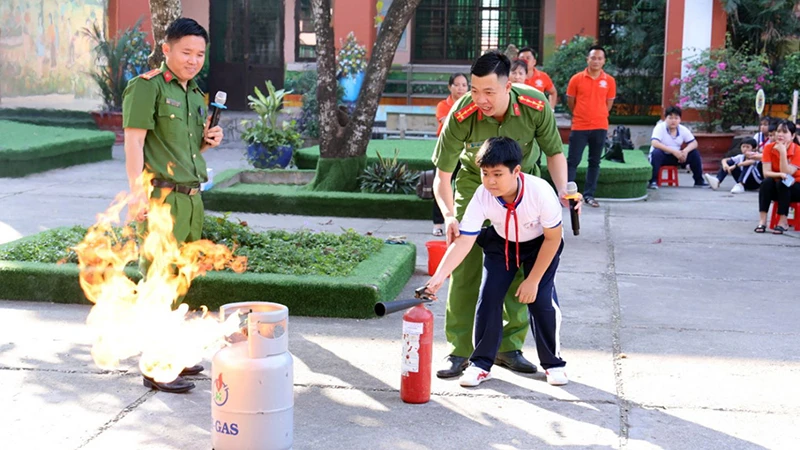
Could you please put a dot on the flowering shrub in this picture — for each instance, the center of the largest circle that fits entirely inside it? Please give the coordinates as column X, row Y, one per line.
column 352, row 57
column 722, row 84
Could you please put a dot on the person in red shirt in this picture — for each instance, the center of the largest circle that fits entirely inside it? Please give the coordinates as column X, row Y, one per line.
column 781, row 163
column 458, row 86
column 538, row 79
column 590, row 95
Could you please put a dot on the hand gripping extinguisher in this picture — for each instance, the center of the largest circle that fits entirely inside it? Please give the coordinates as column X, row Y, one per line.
column 415, row 380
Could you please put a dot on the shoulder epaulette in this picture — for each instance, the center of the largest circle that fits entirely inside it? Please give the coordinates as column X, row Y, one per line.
column 531, row 102
column 150, row 74
column 466, row 111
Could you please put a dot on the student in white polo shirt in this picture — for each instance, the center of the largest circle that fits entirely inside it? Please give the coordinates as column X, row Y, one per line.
column 672, row 144
column 525, row 232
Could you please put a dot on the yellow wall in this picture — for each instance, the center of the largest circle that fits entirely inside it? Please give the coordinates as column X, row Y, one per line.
column 42, row 50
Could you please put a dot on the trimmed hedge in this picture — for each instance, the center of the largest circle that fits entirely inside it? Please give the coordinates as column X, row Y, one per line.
column 64, row 118
column 294, row 199
column 27, row 148
column 379, row 278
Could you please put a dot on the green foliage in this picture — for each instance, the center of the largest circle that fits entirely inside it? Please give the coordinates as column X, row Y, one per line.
column 761, row 24
column 389, row 176
column 265, row 129
column 569, row 59
column 48, row 247
column 635, row 46
column 306, row 83
column 278, row 252
column 123, row 57
column 786, row 80
column 352, row 57
column 725, row 81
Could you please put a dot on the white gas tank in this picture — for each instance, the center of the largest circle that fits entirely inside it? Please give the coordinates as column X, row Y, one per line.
column 252, row 399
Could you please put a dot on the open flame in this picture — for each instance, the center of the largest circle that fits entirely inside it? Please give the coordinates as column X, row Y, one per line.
column 131, row 318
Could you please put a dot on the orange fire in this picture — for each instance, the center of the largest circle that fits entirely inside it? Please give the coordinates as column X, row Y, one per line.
column 132, row 318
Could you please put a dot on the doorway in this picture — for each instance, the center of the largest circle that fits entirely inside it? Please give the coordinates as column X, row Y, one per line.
column 246, row 48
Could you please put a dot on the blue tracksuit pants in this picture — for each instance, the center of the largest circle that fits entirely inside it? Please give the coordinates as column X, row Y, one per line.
column 544, row 314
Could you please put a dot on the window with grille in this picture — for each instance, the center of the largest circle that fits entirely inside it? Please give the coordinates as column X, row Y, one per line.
column 458, row 31
column 305, row 39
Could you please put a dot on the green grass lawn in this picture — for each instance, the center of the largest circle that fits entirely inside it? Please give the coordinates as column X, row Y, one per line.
column 27, row 148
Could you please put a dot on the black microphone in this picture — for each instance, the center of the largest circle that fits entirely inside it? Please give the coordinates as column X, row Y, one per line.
column 572, row 195
column 217, row 107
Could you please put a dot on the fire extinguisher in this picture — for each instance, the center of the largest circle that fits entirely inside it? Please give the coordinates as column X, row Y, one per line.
column 415, row 381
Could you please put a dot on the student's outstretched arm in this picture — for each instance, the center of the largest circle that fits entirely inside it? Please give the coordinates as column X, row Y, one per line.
column 526, row 293
column 456, row 253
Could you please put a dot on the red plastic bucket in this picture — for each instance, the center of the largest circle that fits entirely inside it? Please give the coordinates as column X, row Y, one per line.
column 436, row 250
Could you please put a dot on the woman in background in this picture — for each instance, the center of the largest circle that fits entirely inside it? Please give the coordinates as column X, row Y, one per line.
column 458, row 86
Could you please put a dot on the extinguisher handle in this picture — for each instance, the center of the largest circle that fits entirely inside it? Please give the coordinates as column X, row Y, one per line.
column 424, row 293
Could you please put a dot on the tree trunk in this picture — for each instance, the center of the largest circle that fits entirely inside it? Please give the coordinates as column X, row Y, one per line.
column 344, row 138
column 163, row 13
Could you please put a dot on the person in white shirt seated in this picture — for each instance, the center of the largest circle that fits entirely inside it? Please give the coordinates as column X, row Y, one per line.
column 525, row 233
column 672, row 144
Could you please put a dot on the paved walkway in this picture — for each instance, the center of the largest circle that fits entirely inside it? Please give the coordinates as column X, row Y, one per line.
column 680, row 329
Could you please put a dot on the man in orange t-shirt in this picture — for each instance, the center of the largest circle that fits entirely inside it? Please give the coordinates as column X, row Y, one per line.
column 590, row 94
column 538, row 79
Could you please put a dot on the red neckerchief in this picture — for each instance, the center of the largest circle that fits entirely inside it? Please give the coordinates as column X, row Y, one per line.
column 511, row 211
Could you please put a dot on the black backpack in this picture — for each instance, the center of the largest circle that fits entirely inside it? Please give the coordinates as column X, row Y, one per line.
column 620, row 139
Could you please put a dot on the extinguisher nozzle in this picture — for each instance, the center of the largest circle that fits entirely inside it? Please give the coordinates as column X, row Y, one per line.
column 384, row 308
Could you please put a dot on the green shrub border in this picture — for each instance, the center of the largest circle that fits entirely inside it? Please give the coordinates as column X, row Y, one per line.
column 19, row 158
column 228, row 194
column 50, row 117
column 379, row 278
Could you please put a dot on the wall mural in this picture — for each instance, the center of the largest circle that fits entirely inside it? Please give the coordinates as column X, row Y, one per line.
column 42, row 48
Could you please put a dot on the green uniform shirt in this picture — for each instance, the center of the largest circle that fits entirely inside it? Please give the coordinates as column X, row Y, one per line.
column 529, row 121
column 175, row 119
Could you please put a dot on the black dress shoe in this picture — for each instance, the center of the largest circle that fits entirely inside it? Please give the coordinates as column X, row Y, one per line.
column 194, row 370
column 177, row 386
column 454, row 367
column 515, row 361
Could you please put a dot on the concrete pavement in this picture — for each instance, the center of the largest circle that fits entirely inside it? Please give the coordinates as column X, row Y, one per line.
column 680, row 331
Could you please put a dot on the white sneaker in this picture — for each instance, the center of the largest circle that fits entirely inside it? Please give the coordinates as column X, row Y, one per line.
column 712, row 181
column 737, row 189
column 474, row 376
column 557, row 376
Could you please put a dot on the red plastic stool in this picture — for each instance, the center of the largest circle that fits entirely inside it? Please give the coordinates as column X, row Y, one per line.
column 672, row 176
column 793, row 221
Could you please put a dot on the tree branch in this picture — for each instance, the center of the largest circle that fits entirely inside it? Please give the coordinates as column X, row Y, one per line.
column 360, row 128
column 163, row 13
column 331, row 129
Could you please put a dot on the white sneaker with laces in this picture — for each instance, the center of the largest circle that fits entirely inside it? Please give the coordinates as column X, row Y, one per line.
column 737, row 189
column 557, row 376
column 712, row 181
column 474, row 376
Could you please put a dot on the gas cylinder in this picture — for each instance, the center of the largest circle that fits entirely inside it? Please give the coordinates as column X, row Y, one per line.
column 415, row 380
column 252, row 399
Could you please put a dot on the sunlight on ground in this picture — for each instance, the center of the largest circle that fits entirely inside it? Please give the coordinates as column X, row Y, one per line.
column 8, row 233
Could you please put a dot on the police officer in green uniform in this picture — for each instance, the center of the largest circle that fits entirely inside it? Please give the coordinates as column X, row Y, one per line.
column 494, row 107
column 166, row 130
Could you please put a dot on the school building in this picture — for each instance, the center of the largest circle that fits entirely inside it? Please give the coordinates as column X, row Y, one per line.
column 256, row 40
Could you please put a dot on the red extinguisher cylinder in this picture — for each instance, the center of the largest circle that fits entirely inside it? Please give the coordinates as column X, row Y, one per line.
column 415, row 382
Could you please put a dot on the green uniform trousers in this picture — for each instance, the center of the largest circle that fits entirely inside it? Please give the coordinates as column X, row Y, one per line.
column 187, row 213
column 465, row 284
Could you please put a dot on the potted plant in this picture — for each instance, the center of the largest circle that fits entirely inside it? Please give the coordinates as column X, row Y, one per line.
column 352, row 61
column 721, row 84
column 269, row 146
column 118, row 60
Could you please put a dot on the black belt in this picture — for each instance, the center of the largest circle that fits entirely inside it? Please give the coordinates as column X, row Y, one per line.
column 175, row 187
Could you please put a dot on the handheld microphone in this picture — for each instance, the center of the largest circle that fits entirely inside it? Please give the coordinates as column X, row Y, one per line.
column 572, row 195
column 217, row 107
